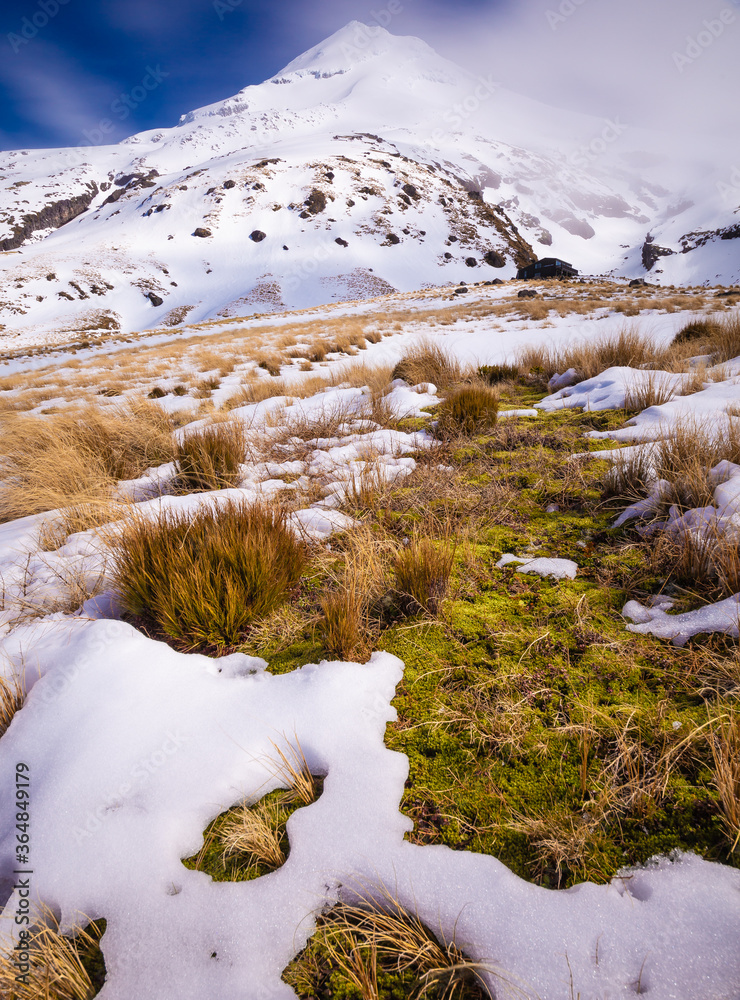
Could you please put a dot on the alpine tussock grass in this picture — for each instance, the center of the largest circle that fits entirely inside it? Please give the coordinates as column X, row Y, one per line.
column 75, row 460
column 201, row 580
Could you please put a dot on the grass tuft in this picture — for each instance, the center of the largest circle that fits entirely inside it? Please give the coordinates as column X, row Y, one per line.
column 422, row 572
column 62, row 966
column 725, row 744
column 468, row 409
column 202, row 581
column 377, row 944
column 77, row 459
column 210, row 457
column 428, row 362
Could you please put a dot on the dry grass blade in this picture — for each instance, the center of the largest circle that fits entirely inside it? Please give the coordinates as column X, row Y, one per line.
column 378, row 931
column 12, row 698
column 291, row 768
column 725, row 745
column 650, row 389
column 254, row 832
column 57, row 964
column 422, row 572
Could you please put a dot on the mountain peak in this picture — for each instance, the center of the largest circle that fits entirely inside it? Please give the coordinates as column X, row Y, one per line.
column 354, row 43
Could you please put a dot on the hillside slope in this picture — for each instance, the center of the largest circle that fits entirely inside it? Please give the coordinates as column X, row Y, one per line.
column 358, row 169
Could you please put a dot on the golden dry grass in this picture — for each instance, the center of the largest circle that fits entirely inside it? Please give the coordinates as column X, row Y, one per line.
column 201, row 580
column 253, row 832
column 12, row 698
column 422, row 571
column 75, row 460
column 428, row 362
column 210, row 457
column 57, row 961
column 375, row 933
column 725, row 745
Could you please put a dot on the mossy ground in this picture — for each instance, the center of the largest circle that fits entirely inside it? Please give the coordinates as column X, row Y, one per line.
column 537, row 728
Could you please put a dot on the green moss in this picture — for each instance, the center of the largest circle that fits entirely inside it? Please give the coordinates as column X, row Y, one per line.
column 536, row 727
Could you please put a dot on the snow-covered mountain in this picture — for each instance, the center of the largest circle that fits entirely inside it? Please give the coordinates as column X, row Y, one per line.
column 369, row 163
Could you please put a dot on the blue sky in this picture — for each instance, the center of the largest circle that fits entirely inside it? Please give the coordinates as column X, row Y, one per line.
column 66, row 65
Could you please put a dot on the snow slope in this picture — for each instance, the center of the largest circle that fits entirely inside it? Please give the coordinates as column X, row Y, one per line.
column 370, row 163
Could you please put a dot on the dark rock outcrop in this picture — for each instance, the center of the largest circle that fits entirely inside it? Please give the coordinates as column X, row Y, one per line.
column 203, row 233
column 471, row 262
column 527, row 293
column 341, row 242
column 651, row 253
column 155, row 299
column 52, row 216
column 257, row 236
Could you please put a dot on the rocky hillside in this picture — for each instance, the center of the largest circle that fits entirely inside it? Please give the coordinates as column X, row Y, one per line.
column 359, row 169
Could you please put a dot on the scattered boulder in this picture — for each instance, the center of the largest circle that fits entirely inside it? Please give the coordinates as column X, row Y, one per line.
column 154, row 299
column 257, row 236
column 471, row 262
column 527, row 293
column 391, row 240
column 638, row 283
column 315, row 203
column 203, row 233
column 341, row 242
column 229, row 184
column 461, row 290
column 495, row 281
column 448, row 256
column 494, row 259
column 411, row 191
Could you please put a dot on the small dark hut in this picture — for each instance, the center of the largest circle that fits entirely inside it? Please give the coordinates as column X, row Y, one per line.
column 548, row 267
